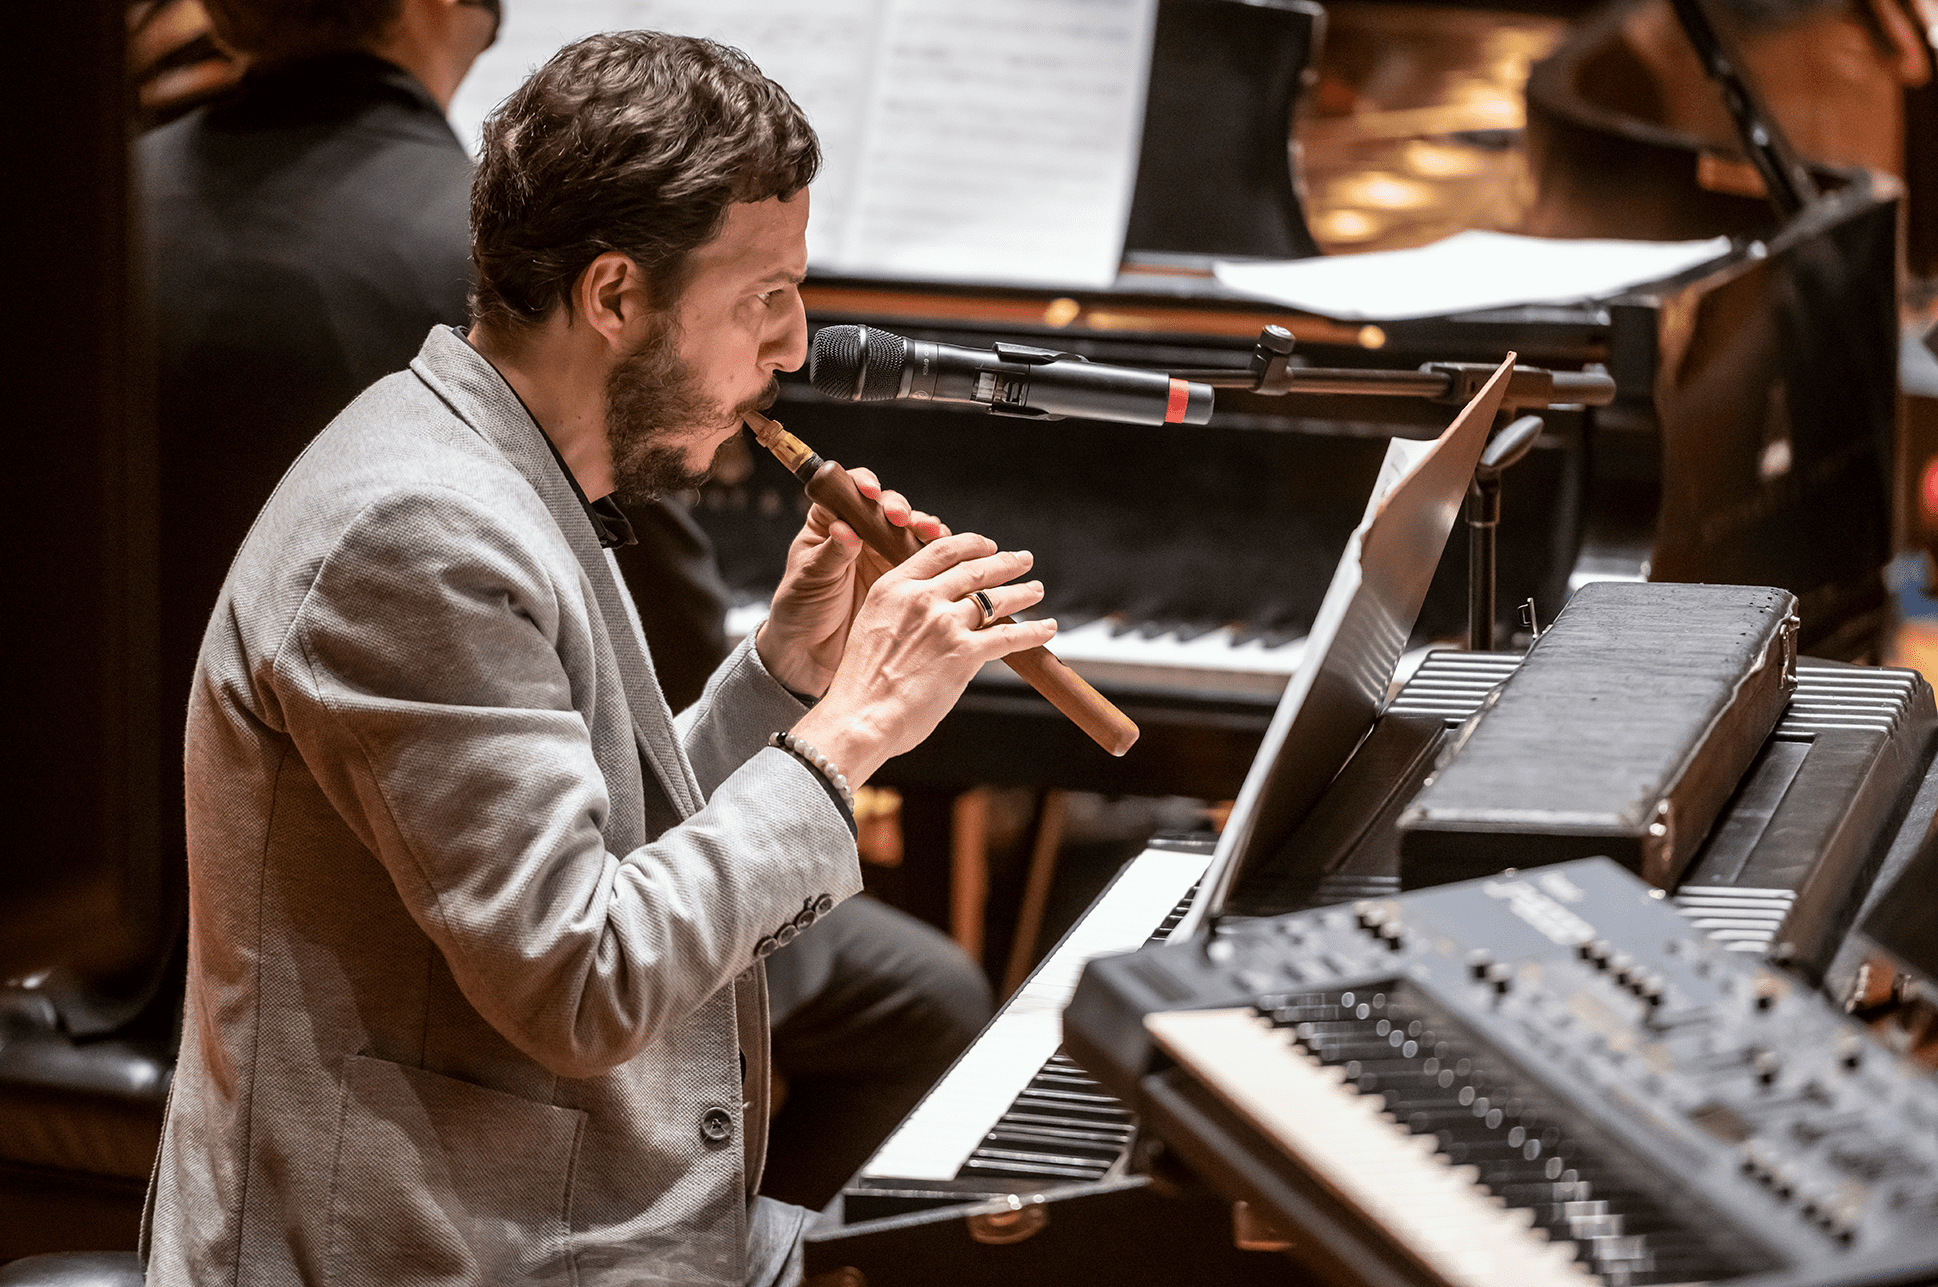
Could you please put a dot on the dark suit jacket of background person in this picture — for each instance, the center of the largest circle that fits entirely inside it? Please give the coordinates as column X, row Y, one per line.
column 304, row 231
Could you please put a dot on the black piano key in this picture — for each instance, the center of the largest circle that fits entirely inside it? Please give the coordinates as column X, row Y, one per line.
column 1070, row 1136
column 1172, row 919
column 1000, row 1164
column 1076, row 1101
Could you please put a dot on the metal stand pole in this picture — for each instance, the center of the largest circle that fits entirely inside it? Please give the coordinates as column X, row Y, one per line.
column 1483, row 525
column 1484, row 521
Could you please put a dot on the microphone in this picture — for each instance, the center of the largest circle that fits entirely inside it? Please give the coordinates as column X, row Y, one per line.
column 863, row 364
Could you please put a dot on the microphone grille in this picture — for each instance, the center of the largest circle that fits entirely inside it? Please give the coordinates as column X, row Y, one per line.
column 857, row 363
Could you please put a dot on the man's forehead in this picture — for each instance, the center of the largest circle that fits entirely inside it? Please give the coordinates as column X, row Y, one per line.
column 758, row 240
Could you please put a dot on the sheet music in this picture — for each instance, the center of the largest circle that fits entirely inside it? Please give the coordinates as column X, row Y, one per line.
column 1001, row 141
column 1466, row 272
column 963, row 140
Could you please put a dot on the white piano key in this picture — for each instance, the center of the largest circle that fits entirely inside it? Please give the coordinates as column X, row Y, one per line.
column 1213, row 662
column 936, row 1139
column 1432, row 1208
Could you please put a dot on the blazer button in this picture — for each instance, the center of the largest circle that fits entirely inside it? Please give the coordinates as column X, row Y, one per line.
column 716, row 1124
column 765, row 948
column 804, row 920
column 785, row 934
column 823, row 905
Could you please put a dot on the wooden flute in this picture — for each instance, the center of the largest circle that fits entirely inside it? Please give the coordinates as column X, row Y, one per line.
column 829, row 484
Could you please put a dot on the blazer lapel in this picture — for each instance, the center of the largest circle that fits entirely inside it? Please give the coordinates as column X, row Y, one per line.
column 480, row 396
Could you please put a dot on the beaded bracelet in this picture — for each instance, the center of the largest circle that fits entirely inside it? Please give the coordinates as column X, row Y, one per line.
column 821, row 763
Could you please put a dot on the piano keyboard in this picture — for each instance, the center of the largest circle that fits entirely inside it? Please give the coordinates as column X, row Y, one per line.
column 1538, row 1077
column 1012, row 1105
column 1112, row 652
column 1064, row 1126
column 1437, row 1210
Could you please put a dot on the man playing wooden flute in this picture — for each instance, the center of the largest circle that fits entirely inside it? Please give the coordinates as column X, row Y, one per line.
column 475, row 986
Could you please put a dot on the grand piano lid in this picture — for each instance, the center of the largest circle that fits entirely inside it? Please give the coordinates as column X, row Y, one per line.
column 1356, row 641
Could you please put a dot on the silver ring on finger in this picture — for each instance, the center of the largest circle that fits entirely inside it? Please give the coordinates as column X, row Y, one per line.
column 985, row 605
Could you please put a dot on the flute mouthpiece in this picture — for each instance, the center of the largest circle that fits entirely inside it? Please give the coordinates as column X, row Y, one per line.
column 788, row 449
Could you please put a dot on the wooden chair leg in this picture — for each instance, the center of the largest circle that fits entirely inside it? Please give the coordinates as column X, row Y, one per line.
column 969, row 869
column 1036, row 890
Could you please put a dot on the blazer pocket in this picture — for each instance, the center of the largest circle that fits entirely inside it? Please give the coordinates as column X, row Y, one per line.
column 440, row 1181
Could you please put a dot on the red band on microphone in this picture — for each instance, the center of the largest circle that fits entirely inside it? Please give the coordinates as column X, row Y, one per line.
column 1180, row 399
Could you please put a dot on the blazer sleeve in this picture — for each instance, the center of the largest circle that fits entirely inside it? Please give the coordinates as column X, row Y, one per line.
column 741, row 707
column 428, row 682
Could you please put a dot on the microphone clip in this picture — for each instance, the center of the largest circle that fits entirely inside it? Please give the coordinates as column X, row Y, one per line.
column 1027, row 356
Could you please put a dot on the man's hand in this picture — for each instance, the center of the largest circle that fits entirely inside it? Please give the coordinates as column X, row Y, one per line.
column 829, row 571
column 914, row 646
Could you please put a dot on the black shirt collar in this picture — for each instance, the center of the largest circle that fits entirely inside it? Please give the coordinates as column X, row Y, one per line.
column 609, row 522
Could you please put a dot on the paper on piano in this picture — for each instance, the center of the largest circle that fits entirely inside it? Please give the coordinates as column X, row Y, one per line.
column 963, row 140
column 1466, row 272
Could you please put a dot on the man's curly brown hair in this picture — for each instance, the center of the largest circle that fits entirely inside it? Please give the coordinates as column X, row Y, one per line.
column 631, row 141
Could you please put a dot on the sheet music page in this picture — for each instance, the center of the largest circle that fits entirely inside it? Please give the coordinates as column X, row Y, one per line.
column 1001, row 141
column 822, row 54
column 1466, row 272
column 963, row 140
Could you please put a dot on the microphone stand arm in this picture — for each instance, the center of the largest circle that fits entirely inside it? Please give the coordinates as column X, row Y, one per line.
column 1271, row 372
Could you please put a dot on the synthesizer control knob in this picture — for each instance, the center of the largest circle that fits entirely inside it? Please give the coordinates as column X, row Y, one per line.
column 1767, row 1066
column 1501, row 975
column 1478, row 962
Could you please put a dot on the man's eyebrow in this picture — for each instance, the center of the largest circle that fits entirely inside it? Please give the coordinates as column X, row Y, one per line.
column 782, row 276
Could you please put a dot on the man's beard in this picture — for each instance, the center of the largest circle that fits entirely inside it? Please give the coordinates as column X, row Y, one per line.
column 654, row 404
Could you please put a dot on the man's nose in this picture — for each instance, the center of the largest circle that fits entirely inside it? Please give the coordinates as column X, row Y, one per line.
column 787, row 347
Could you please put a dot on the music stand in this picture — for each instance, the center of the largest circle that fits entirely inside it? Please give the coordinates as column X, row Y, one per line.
column 1369, row 611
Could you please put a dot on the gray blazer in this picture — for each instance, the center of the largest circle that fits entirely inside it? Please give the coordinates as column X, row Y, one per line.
column 475, row 923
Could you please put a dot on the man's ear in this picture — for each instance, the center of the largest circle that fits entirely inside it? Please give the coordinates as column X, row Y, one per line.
column 611, row 297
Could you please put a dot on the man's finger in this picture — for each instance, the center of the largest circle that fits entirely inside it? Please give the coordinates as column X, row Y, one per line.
column 1004, row 601
column 831, row 556
column 1000, row 641
column 896, row 508
column 983, row 573
column 927, row 526
column 940, row 556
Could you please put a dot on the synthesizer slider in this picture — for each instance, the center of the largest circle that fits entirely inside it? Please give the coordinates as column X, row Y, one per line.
column 1541, row 1078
